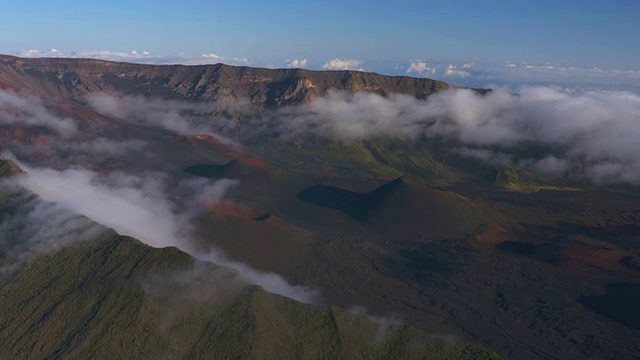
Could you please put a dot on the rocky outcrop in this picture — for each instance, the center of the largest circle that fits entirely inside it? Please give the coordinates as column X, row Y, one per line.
column 9, row 168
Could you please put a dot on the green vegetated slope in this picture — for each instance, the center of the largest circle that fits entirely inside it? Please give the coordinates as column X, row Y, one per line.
column 430, row 159
column 113, row 297
column 118, row 298
column 362, row 159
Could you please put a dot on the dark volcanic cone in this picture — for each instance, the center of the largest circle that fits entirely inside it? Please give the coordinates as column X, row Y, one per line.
column 406, row 206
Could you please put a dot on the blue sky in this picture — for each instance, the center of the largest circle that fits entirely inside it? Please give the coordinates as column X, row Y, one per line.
column 383, row 36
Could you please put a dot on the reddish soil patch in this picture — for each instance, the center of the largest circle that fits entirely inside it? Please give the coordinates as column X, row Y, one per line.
column 254, row 162
column 189, row 140
column 226, row 146
column 233, row 209
column 573, row 258
column 5, row 86
column 84, row 113
column 493, row 234
column 41, row 145
column 221, row 143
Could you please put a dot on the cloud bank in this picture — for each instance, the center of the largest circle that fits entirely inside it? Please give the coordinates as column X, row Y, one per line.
column 595, row 131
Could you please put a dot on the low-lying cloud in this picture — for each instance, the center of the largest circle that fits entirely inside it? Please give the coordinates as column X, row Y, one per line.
column 142, row 206
column 596, row 131
column 30, row 226
column 26, row 110
column 181, row 117
column 132, row 205
column 593, row 133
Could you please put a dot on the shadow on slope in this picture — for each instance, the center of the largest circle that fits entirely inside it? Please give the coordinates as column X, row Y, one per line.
column 356, row 205
column 619, row 303
column 406, row 207
column 208, row 170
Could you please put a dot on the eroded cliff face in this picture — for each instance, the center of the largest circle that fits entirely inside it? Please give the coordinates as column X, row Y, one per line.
column 74, row 78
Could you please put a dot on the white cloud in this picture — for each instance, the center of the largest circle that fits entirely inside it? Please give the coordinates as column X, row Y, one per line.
column 298, row 63
column 180, row 117
column 211, row 56
column 552, row 165
column 33, row 226
column 421, row 68
column 115, row 202
column 468, row 65
column 27, row 110
column 453, row 71
column 343, row 64
column 138, row 205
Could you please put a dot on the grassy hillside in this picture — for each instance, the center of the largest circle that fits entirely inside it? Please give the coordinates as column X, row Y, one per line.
column 118, row 298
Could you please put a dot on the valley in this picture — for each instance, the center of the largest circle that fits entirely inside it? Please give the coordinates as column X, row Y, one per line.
column 349, row 224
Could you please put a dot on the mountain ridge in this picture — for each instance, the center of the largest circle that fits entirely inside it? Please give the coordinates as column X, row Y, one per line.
column 74, row 78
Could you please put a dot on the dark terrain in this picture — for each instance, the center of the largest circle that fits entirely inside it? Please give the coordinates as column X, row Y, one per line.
column 461, row 252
